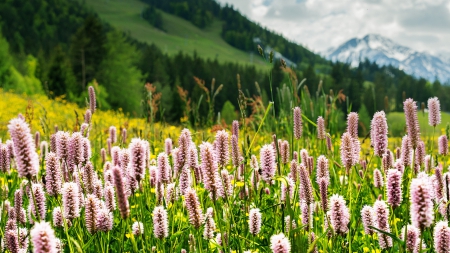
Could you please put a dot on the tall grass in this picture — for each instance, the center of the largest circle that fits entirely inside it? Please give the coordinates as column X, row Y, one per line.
column 281, row 200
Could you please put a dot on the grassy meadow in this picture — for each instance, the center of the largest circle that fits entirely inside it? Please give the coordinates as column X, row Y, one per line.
column 222, row 189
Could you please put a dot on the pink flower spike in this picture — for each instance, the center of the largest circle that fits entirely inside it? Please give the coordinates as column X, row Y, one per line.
column 434, row 112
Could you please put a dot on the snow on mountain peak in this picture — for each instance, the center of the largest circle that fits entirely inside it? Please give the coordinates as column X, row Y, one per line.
column 384, row 51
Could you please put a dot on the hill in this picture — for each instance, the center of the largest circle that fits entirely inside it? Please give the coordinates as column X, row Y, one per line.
column 179, row 34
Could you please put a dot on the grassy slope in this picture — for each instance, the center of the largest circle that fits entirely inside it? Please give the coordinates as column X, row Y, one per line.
column 396, row 122
column 180, row 35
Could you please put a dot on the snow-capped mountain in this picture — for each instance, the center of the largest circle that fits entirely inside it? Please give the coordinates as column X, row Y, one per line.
column 384, row 51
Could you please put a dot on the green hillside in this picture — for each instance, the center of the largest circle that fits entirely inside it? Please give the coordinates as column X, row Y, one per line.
column 181, row 34
column 397, row 124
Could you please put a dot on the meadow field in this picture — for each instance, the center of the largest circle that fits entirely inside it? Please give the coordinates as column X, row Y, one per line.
column 84, row 180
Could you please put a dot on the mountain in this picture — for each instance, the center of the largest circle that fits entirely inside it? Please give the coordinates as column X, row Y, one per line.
column 384, row 51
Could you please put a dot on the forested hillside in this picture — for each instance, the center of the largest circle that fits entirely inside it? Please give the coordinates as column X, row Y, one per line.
column 61, row 46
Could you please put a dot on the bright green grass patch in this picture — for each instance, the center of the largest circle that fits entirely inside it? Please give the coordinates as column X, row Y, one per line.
column 181, row 35
column 397, row 125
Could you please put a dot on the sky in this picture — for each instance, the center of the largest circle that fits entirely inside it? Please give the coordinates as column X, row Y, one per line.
column 320, row 24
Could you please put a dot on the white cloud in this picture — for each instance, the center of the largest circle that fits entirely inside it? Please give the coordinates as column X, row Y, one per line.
column 423, row 25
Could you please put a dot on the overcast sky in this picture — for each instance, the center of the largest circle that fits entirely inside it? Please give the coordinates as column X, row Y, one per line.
column 320, row 24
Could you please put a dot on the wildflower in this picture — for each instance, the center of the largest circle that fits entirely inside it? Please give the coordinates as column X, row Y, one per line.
column 406, row 153
column 297, row 123
column 121, row 194
column 185, row 179
column 92, row 104
column 295, row 170
column 235, row 154
column 210, row 225
column 58, row 217
column 235, row 128
column 160, row 222
column 5, row 158
column 168, row 146
column 184, row 142
column 113, row 134
column 441, row 237
column 193, row 156
column 352, row 124
column 87, row 117
column 193, row 207
column 76, row 156
column 412, row 238
column 124, row 135
column 394, row 187
column 347, row 151
column 323, row 189
column 87, row 153
column 39, row 199
column 71, row 200
column 163, row 172
column 211, row 178
column 170, row 193
column 289, row 224
column 254, row 221
column 382, row 222
column 221, row 147
column 53, row 175
column 339, row 214
column 412, row 122
column 379, row 131
column 227, row 182
column 287, row 190
column 11, row 240
column 25, row 155
column 137, row 160
column 103, row 220
column 387, row 160
column 367, row 217
column 268, row 165
column 284, row 151
column 44, row 149
column 422, row 214
column 280, row 244
column 306, row 190
column 43, row 238
column 443, row 145
column 92, row 205
column 89, row 177
column 328, row 138
column 137, row 228
column 18, row 202
column 320, row 128
column 434, row 112
column 322, row 169
column 37, row 138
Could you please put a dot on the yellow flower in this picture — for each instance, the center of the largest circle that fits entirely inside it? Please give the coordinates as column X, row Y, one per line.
column 365, row 249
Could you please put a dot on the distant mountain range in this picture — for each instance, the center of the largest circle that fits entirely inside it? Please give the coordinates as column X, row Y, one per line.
column 384, row 51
